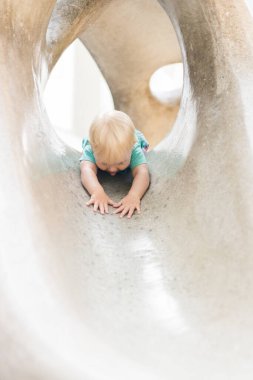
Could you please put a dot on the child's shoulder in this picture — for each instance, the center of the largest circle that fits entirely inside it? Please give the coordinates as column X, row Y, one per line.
column 141, row 139
column 87, row 153
column 86, row 143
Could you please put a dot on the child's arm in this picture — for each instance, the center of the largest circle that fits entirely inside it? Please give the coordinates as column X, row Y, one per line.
column 139, row 186
column 89, row 180
column 141, row 180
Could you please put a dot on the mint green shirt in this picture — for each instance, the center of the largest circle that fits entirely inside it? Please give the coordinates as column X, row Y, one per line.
column 137, row 157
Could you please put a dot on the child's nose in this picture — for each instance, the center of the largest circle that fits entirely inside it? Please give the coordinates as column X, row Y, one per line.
column 112, row 170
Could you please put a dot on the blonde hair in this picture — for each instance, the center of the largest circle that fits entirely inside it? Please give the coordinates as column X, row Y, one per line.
column 112, row 135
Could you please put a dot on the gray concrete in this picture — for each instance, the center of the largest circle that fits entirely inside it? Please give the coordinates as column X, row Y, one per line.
column 169, row 293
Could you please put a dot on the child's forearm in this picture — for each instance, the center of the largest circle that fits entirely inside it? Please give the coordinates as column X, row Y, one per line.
column 140, row 184
column 90, row 181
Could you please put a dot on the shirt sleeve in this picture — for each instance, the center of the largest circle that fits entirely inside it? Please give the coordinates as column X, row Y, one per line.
column 142, row 139
column 87, row 154
column 137, row 157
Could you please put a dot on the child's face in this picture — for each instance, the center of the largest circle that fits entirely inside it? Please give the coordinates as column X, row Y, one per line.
column 113, row 168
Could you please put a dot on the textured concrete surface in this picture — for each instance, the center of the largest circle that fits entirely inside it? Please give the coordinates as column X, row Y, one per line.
column 169, row 293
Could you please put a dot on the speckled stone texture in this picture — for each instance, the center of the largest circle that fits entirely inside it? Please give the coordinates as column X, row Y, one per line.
column 167, row 294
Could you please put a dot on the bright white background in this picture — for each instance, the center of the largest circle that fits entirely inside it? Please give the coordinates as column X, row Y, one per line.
column 75, row 93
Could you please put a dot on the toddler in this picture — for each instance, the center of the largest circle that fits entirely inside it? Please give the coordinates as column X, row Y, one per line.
column 114, row 145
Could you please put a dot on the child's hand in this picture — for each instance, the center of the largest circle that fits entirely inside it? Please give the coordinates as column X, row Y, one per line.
column 101, row 201
column 128, row 204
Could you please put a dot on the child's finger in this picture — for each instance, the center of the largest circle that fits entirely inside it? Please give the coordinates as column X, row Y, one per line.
column 106, row 208
column 117, row 204
column 96, row 206
column 111, row 202
column 119, row 209
column 89, row 202
column 101, row 206
column 131, row 211
column 138, row 208
column 125, row 211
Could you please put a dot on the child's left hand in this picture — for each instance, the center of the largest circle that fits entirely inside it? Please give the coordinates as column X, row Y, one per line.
column 128, row 204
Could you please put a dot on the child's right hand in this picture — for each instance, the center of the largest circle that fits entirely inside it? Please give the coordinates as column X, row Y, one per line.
column 101, row 201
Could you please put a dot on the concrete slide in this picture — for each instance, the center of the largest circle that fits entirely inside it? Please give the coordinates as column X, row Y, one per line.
column 167, row 294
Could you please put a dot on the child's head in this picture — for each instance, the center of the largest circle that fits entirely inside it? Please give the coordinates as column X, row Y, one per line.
column 112, row 136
